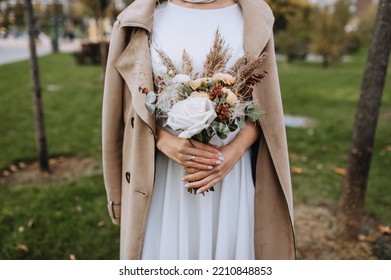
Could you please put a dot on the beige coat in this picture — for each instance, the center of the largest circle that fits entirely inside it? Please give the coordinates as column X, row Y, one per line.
column 129, row 134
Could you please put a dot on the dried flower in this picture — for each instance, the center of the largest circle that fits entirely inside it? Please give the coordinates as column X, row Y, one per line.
column 197, row 83
column 201, row 94
column 187, row 66
column 231, row 98
column 226, row 79
column 218, row 56
column 216, row 92
column 222, row 111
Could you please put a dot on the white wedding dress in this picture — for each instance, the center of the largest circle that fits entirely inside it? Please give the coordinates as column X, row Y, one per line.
column 182, row 225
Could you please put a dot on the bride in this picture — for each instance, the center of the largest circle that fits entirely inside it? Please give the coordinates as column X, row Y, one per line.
column 148, row 168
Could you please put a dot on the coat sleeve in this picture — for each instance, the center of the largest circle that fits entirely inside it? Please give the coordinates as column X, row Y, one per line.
column 113, row 126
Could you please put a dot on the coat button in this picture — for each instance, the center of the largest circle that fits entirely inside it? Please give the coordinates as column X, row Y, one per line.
column 127, row 176
column 132, row 122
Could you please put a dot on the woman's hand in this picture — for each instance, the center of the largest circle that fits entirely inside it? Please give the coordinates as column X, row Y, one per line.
column 203, row 180
column 188, row 153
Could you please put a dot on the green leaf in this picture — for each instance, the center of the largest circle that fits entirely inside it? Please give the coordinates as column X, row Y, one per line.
column 232, row 126
column 150, row 107
column 241, row 122
column 187, row 89
column 222, row 130
column 150, row 101
column 254, row 113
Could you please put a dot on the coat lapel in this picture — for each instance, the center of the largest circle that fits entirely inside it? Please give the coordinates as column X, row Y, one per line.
column 139, row 14
column 258, row 26
column 134, row 64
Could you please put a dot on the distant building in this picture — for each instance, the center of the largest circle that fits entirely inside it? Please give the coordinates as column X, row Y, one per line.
column 65, row 3
column 44, row 3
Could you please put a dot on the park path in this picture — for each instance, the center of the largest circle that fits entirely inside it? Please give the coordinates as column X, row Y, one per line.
column 16, row 49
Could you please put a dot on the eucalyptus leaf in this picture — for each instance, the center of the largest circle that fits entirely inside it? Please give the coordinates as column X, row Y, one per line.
column 232, row 127
column 151, row 97
column 254, row 113
column 150, row 107
column 221, row 135
column 187, row 89
column 241, row 122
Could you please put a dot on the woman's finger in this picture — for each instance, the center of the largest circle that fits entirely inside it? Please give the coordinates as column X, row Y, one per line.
column 201, row 162
column 208, row 186
column 189, row 153
column 195, row 178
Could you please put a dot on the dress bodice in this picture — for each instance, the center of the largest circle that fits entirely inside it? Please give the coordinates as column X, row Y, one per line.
column 178, row 28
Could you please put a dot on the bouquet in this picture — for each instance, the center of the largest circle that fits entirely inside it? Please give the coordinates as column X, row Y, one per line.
column 215, row 102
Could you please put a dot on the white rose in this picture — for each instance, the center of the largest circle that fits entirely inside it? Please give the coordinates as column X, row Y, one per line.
column 180, row 78
column 191, row 115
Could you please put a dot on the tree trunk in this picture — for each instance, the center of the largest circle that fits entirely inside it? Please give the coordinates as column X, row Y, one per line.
column 40, row 137
column 351, row 205
column 325, row 61
column 55, row 26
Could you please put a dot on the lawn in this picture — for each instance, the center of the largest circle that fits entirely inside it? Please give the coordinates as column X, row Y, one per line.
column 66, row 219
column 329, row 97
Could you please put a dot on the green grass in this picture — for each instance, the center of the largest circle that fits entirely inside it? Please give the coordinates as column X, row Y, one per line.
column 73, row 121
column 72, row 113
column 329, row 97
column 66, row 215
column 67, row 218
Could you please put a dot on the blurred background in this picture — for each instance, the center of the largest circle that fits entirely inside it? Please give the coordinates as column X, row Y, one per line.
column 52, row 197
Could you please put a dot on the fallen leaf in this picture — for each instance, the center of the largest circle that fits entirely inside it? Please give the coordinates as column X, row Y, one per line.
column 30, row 223
column 53, row 161
column 339, row 171
column 384, row 229
column 319, row 166
column 310, row 132
column 72, row 257
column 100, row 224
column 367, row 238
column 296, row 170
column 22, row 247
column 324, row 148
column 13, row 168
